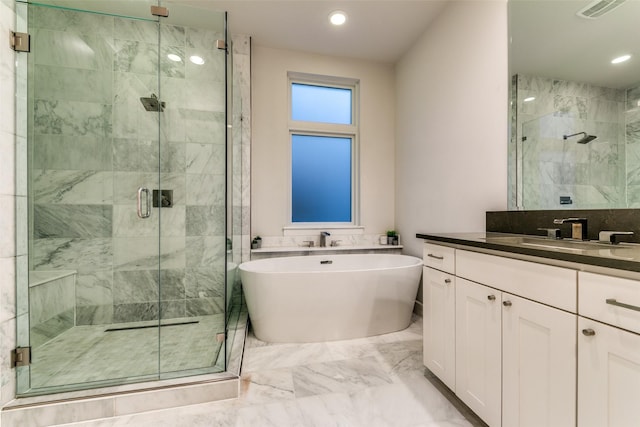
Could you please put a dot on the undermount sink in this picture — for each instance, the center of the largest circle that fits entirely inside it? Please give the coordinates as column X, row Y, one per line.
column 564, row 245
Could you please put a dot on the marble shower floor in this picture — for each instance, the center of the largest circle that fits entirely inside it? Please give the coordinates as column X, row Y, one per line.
column 371, row 382
column 91, row 353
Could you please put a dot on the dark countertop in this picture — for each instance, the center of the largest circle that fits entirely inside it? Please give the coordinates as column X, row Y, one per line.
column 624, row 256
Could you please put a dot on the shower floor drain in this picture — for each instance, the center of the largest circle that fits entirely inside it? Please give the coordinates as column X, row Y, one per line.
column 128, row 328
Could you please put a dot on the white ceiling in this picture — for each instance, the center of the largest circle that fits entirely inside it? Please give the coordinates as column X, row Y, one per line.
column 379, row 30
column 548, row 39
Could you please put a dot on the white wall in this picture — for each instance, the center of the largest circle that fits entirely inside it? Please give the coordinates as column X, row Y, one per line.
column 451, row 123
column 270, row 140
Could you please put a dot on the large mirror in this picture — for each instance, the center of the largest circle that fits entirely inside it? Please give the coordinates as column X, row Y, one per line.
column 575, row 116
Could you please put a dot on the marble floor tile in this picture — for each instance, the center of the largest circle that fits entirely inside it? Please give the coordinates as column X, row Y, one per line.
column 316, row 411
column 370, row 382
column 351, row 349
column 127, row 353
column 266, row 386
column 403, row 358
column 344, row 376
column 285, row 356
column 411, row 402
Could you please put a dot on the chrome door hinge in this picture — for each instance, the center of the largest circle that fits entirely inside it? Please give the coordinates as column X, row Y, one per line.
column 159, row 11
column 20, row 42
column 21, row 356
column 221, row 337
column 220, row 44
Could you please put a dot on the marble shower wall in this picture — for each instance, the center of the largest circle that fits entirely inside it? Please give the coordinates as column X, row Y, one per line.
column 13, row 193
column 241, row 162
column 548, row 167
column 632, row 122
column 94, row 145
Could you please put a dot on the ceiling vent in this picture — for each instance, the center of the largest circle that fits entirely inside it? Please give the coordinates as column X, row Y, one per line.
column 598, row 8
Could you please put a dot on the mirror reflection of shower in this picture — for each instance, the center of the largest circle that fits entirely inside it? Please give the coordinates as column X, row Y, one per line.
column 152, row 103
column 584, row 140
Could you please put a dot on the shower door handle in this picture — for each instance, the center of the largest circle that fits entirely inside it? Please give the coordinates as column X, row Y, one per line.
column 147, row 211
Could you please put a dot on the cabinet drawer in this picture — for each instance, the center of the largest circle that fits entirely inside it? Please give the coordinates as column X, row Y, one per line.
column 439, row 257
column 551, row 285
column 611, row 300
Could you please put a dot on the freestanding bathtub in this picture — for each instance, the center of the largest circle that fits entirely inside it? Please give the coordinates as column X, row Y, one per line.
column 330, row 297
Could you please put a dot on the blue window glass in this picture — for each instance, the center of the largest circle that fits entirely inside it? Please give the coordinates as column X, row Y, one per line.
column 321, row 179
column 320, row 104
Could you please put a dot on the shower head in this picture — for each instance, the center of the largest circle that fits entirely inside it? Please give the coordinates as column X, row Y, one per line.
column 152, row 103
column 584, row 140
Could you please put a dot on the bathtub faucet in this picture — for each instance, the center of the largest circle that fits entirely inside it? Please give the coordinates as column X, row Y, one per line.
column 323, row 238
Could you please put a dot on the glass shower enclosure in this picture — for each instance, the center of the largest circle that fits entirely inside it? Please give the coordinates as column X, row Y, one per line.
column 126, row 224
column 559, row 172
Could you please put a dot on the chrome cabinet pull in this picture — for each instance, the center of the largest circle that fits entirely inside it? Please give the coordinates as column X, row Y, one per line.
column 447, row 281
column 435, row 256
column 491, row 297
column 613, row 301
column 507, row 303
column 588, row 332
column 147, row 212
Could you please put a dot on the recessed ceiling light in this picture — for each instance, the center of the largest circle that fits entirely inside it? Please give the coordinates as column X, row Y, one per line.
column 529, row 99
column 337, row 17
column 174, row 57
column 198, row 60
column 620, row 59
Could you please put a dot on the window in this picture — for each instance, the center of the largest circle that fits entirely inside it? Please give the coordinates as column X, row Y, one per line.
column 321, row 104
column 320, row 178
column 323, row 134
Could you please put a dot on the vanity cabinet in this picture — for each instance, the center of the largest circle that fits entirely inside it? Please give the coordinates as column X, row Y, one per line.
column 515, row 339
column 608, row 351
column 531, row 354
column 608, row 375
column 515, row 358
column 438, row 285
column 538, row 364
column 478, row 349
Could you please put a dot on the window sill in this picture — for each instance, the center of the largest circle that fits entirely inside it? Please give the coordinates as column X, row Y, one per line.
column 335, row 230
column 320, row 250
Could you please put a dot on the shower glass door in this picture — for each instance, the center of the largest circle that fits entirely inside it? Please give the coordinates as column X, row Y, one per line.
column 126, row 195
column 193, row 171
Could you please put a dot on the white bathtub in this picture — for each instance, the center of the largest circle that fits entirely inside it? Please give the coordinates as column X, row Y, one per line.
column 306, row 299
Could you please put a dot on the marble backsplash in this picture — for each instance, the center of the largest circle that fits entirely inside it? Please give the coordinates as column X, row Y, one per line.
column 341, row 240
column 528, row 222
column 94, row 145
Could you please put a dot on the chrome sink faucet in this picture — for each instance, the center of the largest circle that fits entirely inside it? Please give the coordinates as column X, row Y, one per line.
column 610, row 236
column 323, row 238
column 552, row 233
column 578, row 227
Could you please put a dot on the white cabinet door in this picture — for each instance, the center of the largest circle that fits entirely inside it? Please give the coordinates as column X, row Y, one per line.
column 478, row 350
column 538, row 364
column 608, row 376
column 439, row 316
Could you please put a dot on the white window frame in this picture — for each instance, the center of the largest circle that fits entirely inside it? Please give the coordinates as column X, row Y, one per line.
column 299, row 127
